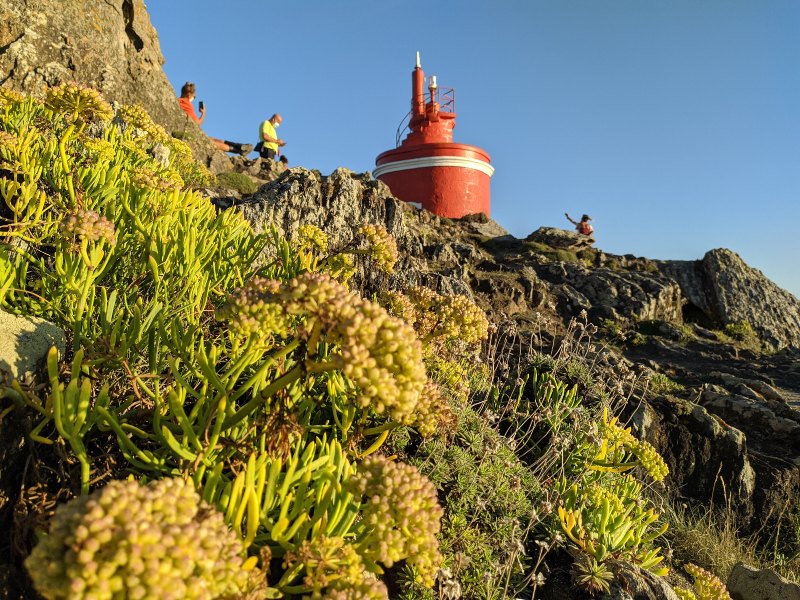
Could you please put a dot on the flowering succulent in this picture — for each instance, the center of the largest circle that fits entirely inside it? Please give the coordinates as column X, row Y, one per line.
column 8, row 96
column 88, row 225
column 400, row 516
column 399, row 305
column 311, row 237
column 252, row 310
column 163, row 180
column 100, row 150
column 136, row 116
column 617, row 441
column 129, row 540
column 382, row 246
column 79, row 102
column 707, row 586
column 341, row 267
column 432, row 412
column 439, row 318
column 377, row 352
column 461, row 319
column 334, row 570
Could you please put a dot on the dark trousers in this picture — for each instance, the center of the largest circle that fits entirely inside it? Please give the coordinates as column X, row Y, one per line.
column 267, row 153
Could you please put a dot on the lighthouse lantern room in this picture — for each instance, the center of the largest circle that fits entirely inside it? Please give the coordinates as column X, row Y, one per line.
column 427, row 168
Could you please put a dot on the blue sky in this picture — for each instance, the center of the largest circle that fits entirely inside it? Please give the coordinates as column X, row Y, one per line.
column 675, row 125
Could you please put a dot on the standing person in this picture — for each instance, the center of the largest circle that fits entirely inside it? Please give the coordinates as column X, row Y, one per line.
column 583, row 227
column 185, row 102
column 268, row 138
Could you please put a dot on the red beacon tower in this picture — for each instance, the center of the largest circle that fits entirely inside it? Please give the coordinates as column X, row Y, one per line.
column 427, row 168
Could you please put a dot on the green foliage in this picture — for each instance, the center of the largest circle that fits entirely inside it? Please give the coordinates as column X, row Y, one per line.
column 661, row 384
column 554, row 254
column 240, row 182
column 489, row 498
column 205, row 352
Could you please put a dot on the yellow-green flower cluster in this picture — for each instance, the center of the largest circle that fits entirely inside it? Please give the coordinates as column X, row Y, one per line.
column 138, row 542
column 399, row 305
column 439, row 318
column 252, row 310
column 707, row 586
column 162, row 180
column 100, row 150
column 400, row 516
column 433, row 411
column 88, row 225
column 79, row 103
column 342, row 266
column 461, row 319
column 136, row 116
column 311, row 237
column 334, row 569
column 8, row 96
column 377, row 352
column 382, row 246
column 616, row 437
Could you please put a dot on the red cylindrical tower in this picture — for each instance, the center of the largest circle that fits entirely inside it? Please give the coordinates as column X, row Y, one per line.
column 427, row 168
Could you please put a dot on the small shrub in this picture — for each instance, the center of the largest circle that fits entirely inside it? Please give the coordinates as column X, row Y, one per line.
column 661, row 384
column 240, row 182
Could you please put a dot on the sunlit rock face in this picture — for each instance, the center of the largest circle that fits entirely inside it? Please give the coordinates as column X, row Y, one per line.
column 111, row 46
column 725, row 288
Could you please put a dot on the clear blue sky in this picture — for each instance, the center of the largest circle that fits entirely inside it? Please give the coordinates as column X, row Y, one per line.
column 674, row 124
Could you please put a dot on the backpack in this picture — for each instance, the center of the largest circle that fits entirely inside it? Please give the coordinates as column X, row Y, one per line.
column 258, row 146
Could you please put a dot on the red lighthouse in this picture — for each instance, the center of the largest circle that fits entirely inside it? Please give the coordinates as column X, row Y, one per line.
column 427, row 168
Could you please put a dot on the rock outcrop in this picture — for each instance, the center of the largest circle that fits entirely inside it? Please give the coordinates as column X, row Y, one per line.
column 747, row 583
column 727, row 290
column 110, row 46
column 24, row 343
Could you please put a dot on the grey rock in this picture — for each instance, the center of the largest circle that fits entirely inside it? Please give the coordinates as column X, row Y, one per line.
column 634, row 583
column 560, row 238
column 705, row 456
column 727, row 290
column 24, row 343
column 747, row 583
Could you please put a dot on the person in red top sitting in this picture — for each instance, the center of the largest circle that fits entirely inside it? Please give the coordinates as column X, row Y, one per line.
column 583, row 227
column 185, row 102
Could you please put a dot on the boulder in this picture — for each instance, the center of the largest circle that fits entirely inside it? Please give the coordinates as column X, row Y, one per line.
column 747, row 583
column 24, row 343
column 728, row 291
column 110, row 46
column 707, row 458
column 560, row 238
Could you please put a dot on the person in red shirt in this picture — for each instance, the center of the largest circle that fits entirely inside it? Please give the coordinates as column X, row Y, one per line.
column 185, row 102
column 583, row 227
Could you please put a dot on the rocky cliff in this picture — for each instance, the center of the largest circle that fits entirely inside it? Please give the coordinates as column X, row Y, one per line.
column 110, row 46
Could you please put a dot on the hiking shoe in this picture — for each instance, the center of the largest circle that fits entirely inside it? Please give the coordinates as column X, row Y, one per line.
column 245, row 149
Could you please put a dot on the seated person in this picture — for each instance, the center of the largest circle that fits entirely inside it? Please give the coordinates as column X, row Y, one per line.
column 185, row 102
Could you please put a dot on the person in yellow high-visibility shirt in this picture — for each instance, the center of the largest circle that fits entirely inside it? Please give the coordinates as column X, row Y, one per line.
column 268, row 138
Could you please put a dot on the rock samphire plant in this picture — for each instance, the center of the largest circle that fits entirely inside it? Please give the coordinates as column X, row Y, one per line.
column 202, row 352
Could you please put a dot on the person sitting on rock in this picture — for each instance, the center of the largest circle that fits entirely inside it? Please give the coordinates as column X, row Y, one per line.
column 185, row 102
column 583, row 227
